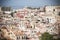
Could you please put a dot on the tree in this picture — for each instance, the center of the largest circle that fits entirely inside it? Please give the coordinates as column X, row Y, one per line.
column 46, row 36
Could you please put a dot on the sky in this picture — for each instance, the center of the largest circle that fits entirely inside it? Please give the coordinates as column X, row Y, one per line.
column 31, row 3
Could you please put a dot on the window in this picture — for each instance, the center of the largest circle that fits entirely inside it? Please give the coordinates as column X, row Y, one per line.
column 53, row 9
column 35, row 14
column 43, row 21
column 18, row 37
column 47, row 20
column 3, row 12
column 59, row 13
column 51, row 30
column 0, row 30
column 23, row 37
column 38, row 20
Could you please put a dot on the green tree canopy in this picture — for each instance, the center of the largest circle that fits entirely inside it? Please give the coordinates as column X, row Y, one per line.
column 46, row 36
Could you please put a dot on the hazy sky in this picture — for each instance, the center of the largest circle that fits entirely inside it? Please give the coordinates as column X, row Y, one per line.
column 33, row 3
